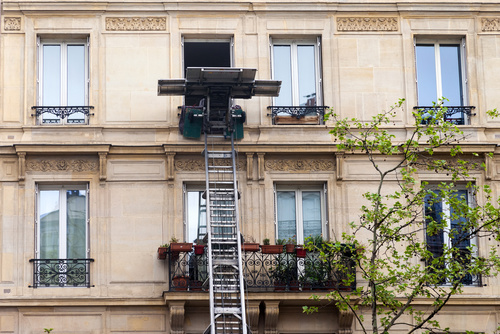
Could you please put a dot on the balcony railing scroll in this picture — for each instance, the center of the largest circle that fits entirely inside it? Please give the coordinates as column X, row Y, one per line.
column 458, row 115
column 61, row 272
column 62, row 112
column 297, row 114
column 269, row 272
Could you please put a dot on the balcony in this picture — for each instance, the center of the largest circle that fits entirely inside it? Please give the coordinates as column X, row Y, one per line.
column 297, row 115
column 458, row 115
column 63, row 112
column 268, row 272
column 61, row 272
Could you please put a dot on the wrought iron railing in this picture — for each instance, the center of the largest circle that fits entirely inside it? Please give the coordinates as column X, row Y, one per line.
column 62, row 112
column 298, row 112
column 454, row 114
column 268, row 272
column 61, row 272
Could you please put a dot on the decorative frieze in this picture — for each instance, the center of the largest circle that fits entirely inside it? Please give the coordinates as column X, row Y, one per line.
column 367, row 24
column 490, row 24
column 12, row 23
column 199, row 165
column 62, row 165
column 136, row 23
column 289, row 165
column 471, row 164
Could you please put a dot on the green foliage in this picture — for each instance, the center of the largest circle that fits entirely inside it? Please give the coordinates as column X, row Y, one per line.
column 48, row 330
column 387, row 243
column 266, row 241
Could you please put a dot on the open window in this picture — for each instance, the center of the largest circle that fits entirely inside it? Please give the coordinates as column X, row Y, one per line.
column 206, row 53
column 441, row 73
column 195, row 213
column 63, row 81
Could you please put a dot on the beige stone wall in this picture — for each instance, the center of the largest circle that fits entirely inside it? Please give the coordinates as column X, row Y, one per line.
column 138, row 163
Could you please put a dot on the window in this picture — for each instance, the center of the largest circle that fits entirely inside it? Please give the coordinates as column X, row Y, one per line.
column 62, row 236
column 195, row 214
column 453, row 234
column 441, row 73
column 300, row 212
column 63, row 81
column 296, row 64
column 206, row 53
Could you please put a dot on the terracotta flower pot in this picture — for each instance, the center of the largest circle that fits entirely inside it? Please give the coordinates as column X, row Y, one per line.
column 250, row 247
column 162, row 253
column 181, row 246
column 199, row 249
column 290, row 248
column 272, row 249
column 300, row 252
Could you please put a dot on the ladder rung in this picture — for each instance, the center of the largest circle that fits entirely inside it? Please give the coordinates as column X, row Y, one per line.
column 228, row 310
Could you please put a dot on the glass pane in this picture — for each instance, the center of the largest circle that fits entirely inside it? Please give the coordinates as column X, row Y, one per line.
column 76, row 217
column 51, row 80
column 458, row 235
column 196, row 215
column 451, row 77
column 307, row 75
column 283, row 71
column 76, row 80
column 426, row 75
column 434, row 209
column 287, row 225
column 49, row 224
column 311, row 213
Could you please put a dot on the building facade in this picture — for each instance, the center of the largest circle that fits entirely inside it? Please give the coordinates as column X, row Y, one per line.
column 94, row 174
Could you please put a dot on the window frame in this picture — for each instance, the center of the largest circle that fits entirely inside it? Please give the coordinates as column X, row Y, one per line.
column 63, row 42
column 436, row 43
column 190, row 188
column 299, row 224
column 447, row 240
column 62, row 188
column 294, row 43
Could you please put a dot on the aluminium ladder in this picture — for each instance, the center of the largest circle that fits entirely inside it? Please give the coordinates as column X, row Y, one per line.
column 227, row 297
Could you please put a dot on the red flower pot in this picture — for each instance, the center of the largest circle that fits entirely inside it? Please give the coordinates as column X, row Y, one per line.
column 199, row 249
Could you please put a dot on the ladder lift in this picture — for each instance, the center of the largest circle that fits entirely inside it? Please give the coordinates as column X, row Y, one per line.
column 219, row 121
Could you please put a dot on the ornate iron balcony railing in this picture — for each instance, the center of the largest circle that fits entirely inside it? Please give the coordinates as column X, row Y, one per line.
column 61, row 272
column 63, row 112
column 298, row 112
column 453, row 114
column 268, row 272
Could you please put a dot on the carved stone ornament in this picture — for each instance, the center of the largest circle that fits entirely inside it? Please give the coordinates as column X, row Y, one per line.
column 470, row 164
column 319, row 165
column 199, row 165
column 136, row 23
column 12, row 23
column 490, row 24
column 367, row 24
column 65, row 165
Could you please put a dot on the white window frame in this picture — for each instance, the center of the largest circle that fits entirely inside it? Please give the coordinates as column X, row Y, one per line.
column 294, row 43
column 62, row 217
column 64, row 43
column 299, row 189
column 188, row 188
column 439, row 80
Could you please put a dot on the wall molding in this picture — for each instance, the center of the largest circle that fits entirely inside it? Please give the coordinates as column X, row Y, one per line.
column 367, row 24
column 62, row 165
column 136, row 23
column 292, row 165
column 12, row 23
column 490, row 24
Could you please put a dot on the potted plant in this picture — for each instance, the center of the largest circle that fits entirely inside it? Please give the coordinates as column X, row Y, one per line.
column 162, row 251
column 290, row 245
column 271, row 249
column 250, row 246
column 300, row 251
column 199, row 248
column 285, row 273
column 176, row 246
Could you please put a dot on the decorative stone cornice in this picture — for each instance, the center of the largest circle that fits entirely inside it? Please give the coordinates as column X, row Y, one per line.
column 490, row 24
column 199, row 165
column 62, row 165
column 12, row 23
column 289, row 165
column 471, row 164
column 367, row 24
column 136, row 23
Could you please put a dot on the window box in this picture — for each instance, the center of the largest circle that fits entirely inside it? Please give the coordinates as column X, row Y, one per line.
column 181, row 247
column 272, row 249
column 250, row 247
column 289, row 248
column 292, row 120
